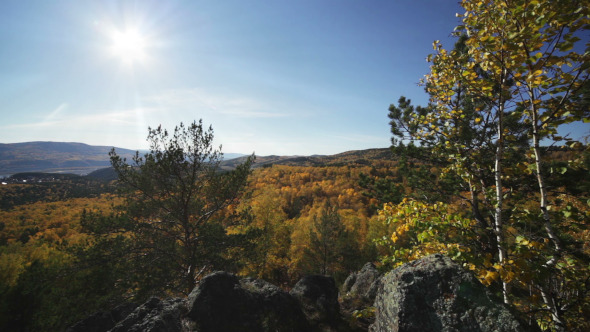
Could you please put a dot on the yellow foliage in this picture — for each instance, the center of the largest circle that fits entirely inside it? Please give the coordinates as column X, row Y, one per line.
column 488, row 277
column 44, row 226
column 11, row 266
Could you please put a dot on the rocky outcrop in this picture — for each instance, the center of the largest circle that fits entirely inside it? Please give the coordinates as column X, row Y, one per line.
column 430, row 294
column 104, row 320
column 436, row 294
column 358, row 295
column 363, row 284
column 223, row 302
column 318, row 297
column 154, row 316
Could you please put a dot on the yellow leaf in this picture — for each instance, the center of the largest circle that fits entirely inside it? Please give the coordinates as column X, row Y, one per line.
column 488, row 277
column 508, row 276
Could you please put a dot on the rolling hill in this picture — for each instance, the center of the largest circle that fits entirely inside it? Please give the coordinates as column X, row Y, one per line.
column 60, row 157
column 79, row 158
column 55, row 157
column 356, row 157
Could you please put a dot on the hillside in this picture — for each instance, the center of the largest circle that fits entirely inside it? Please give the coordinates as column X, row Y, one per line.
column 349, row 158
column 356, row 157
column 55, row 157
column 79, row 158
column 60, row 157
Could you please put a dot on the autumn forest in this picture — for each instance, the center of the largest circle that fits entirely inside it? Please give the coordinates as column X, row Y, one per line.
column 485, row 173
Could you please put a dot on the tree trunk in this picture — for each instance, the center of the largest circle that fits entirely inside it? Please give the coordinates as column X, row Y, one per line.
column 498, row 228
column 541, row 181
column 543, row 205
column 556, row 315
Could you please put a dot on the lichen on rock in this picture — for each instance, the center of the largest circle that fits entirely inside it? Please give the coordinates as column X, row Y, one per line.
column 436, row 294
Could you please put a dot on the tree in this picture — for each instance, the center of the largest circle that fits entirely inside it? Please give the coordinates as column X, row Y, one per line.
column 530, row 53
column 418, row 229
column 271, row 255
column 329, row 242
column 175, row 194
column 520, row 73
column 456, row 135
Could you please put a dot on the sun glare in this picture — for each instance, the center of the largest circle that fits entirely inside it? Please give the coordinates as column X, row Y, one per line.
column 129, row 46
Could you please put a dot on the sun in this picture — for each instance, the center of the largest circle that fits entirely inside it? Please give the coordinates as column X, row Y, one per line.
column 129, row 46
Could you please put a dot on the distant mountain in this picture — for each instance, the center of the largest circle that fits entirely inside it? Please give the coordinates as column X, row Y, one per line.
column 61, row 157
column 55, row 157
column 229, row 156
column 79, row 158
column 351, row 158
column 355, row 157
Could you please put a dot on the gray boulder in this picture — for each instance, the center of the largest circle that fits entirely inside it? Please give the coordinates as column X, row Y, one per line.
column 358, row 295
column 223, row 302
column 318, row 297
column 103, row 321
column 363, row 284
column 436, row 294
column 154, row 316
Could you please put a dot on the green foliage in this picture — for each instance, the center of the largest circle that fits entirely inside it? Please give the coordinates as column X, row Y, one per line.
column 175, row 197
column 419, row 229
column 49, row 187
column 382, row 186
column 52, row 294
column 514, row 77
column 44, row 287
column 331, row 249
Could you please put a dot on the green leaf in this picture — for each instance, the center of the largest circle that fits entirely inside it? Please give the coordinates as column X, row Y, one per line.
column 565, row 46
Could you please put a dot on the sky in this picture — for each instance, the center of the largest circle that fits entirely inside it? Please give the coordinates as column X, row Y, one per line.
column 277, row 77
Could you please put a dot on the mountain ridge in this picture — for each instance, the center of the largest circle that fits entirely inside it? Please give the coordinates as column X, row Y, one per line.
column 81, row 158
column 55, row 157
column 356, row 157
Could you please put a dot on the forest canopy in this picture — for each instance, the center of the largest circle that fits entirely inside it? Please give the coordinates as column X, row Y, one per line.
column 484, row 173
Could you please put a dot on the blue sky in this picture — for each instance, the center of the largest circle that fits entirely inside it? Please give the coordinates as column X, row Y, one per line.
column 272, row 77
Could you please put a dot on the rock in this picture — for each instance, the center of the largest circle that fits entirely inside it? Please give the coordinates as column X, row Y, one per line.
column 154, row 316
column 122, row 311
column 318, row 297
column 103, row 321
column 363, row 284
column 436, row 294
column 358, row 294
column 98, row 322
column 223, row 302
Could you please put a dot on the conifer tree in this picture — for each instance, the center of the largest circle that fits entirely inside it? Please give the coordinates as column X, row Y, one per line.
column 175, row 194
